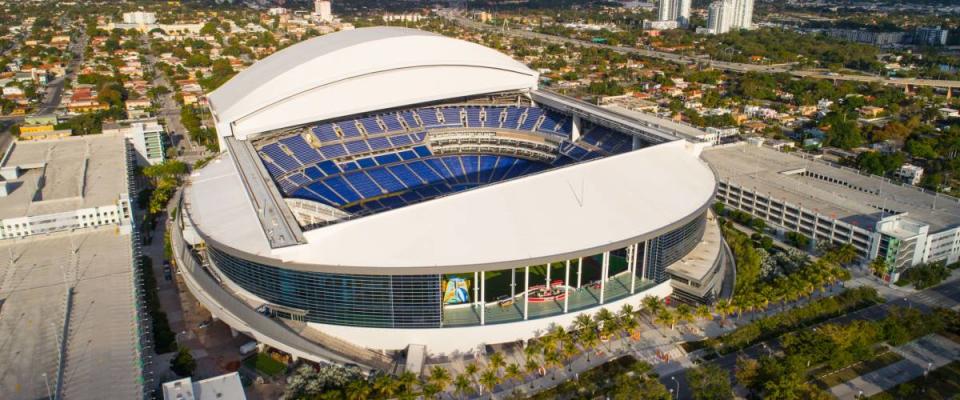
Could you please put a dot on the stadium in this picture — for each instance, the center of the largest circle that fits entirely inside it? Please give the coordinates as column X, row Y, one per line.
column 385, row 188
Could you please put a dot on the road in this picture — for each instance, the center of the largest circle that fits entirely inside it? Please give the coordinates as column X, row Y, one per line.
column 945, row 295
column 702, row 59
column 170, row 112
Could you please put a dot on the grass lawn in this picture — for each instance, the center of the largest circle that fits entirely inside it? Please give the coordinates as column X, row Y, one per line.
column 498, row 282
column 262, row 363
column 849, row 373
column 943, row 383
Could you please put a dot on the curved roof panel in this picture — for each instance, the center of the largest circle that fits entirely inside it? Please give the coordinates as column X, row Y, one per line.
column 568, row 212
column 357, row 71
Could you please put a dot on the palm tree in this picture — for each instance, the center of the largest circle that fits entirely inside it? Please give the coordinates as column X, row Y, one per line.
column 358, row 390
column 471, row 371
column 879, row 267
column 652, row 305
column 462, row 385
column 583, row 322
column 843, row 254
column 429, row 390
column 513, row 373
column 386, row 386
column 553, row 360
column 703, row 312
column 684, row 313
column 532, row 350
column 589, row 339
column 531, row 366
column 497, row 362
column 440, row 376
column 489, row 380
column 407, row 381
column 666, row 317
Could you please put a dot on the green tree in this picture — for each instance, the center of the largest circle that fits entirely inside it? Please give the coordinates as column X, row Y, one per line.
column 709, row 382
column 183, row 364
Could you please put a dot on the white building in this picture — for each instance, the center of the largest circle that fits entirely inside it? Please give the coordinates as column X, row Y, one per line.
column 675, row 10
column 726, row 15
column 322, row 9
column 64, row 184
column 223, row 387
column 147, row 137
column 140, row 18
column 910, row 173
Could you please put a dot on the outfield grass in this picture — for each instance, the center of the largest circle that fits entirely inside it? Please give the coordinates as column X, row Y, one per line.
column 847, row 374
column 262, row 363
column 498, row 282
column 943, row 383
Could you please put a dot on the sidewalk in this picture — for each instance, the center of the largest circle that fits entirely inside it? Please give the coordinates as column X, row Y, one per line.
column 920, row 356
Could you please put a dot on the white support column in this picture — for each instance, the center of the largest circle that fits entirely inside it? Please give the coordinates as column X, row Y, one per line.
column 476, row 287
column 566, row 288
column 633, row 267
column 603, row 274
column 575, row 128
column 646, row 255
column 513, row 282
column 483, row 297
column 526, row 291
column 548, row 276
column 579, row 271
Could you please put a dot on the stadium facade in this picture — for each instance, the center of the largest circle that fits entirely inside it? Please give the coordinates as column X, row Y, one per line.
column 388, row 187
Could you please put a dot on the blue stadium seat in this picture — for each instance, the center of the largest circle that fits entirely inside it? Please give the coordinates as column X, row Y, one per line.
column 333, row 151
column 440, row 167
column 301, row 149
column 533, row 115
column 280, row 158
column 340, row 186
column 487, row 163
column 364, row 185
column 408, row 154
column 408, row 117
column 325, row 133
column 493, row 117
column 357, row 147
column 470, row 167
column 390, row 120
column 386, row 180
column 400, row 140
column 371, row 126
column 388, row 158
column 451, row 116
column 349, row 129
column 454, row 165
column 367, row 162
column 473, row 117
column 313, row 173
column 428, row 116
column 422, row 151
column 424, row 171
column 512, row 119
column 328, row 167
column 379, row 143
column 406, row 176
column 326, row 193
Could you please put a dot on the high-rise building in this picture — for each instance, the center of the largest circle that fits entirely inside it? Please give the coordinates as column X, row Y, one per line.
column 322, row 8
column 930, row 36
column 719, row 17
column 742, row 14
column 725, row 15
column 675, row 10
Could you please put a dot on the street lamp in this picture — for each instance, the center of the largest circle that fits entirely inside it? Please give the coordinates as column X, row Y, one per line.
column 47, row 381
column 674, row 379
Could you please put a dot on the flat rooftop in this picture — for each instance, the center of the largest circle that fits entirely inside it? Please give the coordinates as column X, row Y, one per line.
column 859, row 201
column 67, row 174
column 101, row 360
column 698, row 262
